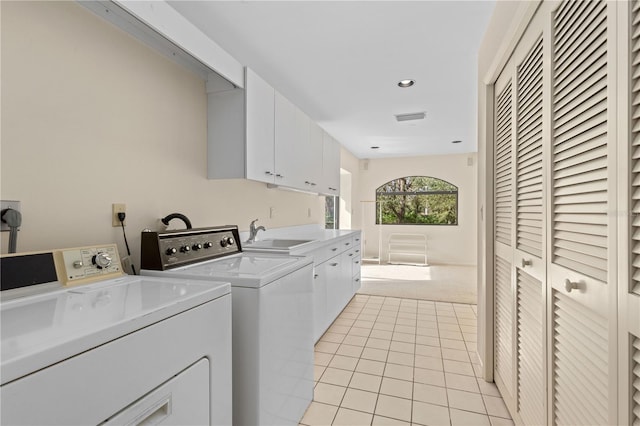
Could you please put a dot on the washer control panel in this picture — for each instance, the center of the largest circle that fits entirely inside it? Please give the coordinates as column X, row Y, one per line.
column 170, row 249
column 31, row 273
column 88, row 264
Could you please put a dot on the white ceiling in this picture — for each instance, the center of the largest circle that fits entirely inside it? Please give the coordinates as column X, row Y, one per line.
column 340, row 61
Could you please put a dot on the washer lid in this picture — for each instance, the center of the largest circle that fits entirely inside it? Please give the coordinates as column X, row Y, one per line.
column 243, row 270
column 40, row 330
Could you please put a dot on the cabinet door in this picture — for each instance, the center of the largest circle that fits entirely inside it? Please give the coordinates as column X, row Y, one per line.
column 346, row 278
column 259, row 98
column 334, row 287
column 356, row 283
column 321, row 318
column 302, row 162
column 330, row 165
column 314, row 156
column 582, row 230
column 285, row 141
column 356, row 264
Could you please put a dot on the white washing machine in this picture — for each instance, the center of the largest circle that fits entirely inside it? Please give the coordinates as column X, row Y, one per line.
column 116, row 350
column 272, row 304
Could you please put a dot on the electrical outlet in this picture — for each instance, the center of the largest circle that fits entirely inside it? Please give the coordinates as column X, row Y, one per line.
column 272, row 212
column 309, row 212
column 5, row 204
column 115, row 209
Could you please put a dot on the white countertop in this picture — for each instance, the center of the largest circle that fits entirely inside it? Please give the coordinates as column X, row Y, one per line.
column 319, row 236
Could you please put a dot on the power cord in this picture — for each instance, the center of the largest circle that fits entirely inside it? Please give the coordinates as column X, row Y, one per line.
column 13, row 218
column 121, row 217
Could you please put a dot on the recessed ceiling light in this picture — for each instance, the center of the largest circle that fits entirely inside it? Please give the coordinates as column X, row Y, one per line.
column 375, row 147
column 456, row 141
column 406, row 83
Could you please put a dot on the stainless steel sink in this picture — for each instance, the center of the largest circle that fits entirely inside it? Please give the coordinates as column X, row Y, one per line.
column 276, row 244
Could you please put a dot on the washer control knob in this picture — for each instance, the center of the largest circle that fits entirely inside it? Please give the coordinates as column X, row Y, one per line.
column 197, row 246
column 223, row 242
column 78, row 264
column 185, row 249
column 101, row 260
column 208, row 244
column 231, row 241
column 171, row 250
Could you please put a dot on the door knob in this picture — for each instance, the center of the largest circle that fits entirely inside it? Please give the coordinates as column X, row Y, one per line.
column 526, row 262
column 569, row 285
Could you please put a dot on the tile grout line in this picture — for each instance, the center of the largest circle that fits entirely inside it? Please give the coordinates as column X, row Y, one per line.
column 413, row 369
column 441, row 310
column 347, row 387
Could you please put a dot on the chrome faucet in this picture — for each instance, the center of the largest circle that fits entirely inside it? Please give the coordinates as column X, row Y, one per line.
column 253, row 231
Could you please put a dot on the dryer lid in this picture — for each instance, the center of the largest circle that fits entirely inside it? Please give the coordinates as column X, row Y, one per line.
column 40, row 330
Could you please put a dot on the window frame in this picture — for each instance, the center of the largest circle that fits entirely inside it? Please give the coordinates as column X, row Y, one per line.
column 336, row 211
column 455, row 192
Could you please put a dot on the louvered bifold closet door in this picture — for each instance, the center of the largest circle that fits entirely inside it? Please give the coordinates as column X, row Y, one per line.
column 503, row 172
column 629, row 308
column 580, row 138
column 580, row 358
column 531, row 374
column 529, row 267
column 583, row 354
column 635, row 381
column 635, row 147
column 529, row 207
column 503, row 294
column 503, row 327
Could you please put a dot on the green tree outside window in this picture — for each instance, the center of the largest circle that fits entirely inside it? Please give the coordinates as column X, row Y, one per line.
column 417, row 200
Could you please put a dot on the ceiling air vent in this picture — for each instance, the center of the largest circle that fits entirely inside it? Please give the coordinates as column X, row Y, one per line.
column 411, row 116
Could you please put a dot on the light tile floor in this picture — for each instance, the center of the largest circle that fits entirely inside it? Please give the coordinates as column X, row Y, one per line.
column 391, row 361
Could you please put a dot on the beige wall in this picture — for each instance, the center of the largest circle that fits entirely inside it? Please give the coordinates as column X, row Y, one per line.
column 91, row 117
column 350, row 164
column 446, row 244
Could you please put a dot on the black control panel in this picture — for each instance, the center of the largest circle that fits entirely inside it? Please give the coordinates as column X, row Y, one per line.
column 171, row 249
column 27, row 270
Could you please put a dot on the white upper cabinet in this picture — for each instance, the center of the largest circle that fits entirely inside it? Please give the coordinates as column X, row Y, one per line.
column 330, row 166
column 298, row 147
column 240, row 129
column 259, row 96
column 258, row 134
column 285, row 142
column 313, row 157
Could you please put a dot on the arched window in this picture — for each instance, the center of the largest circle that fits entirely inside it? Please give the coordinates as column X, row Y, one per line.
column 417, row 200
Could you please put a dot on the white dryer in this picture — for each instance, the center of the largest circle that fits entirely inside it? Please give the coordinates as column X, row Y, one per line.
column 120, row 350
column 272, row 304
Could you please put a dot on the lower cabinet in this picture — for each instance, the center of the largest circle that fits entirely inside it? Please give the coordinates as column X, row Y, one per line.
column 320, row 317
column 355, row 272
column 335, row 282
column 335, row 288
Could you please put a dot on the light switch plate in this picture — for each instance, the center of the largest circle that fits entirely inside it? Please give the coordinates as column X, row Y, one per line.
column 7, row 204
